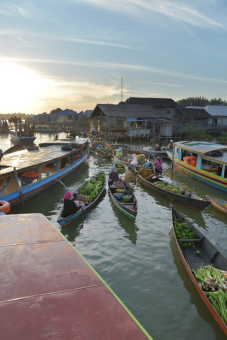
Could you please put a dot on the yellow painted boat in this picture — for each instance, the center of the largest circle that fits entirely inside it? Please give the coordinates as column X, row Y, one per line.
column 218, row 204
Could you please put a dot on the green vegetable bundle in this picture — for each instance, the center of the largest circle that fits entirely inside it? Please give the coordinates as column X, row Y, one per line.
column 169, row 188
column 219, row 302
column 101, row 176
column 120, row 170
column 183, row 231
column 211, row 279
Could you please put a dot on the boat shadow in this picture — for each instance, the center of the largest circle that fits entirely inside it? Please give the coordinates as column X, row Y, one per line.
column 126, row 223
column 195, row 298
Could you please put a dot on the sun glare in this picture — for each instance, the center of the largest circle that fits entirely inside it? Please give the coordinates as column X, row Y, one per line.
column 18, row 87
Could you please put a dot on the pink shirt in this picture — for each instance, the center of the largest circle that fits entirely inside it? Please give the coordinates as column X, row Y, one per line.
column 158, row 164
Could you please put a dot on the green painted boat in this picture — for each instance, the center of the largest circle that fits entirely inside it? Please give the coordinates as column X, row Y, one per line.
column 130, row 208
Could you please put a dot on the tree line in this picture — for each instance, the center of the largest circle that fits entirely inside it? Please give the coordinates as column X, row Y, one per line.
column 200, row 101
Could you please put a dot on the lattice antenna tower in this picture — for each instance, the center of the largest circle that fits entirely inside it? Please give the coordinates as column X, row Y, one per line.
column 122, row 89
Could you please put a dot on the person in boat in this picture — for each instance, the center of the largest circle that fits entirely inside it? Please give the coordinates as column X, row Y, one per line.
column 219, row 171
column 134, row 161
column 170, row 145
column 145, row 171
column 64, row 161
column 56, row 136
column 113, row 175
column 1, row 154
column 70, row 205
column 119, row 153
column 129, row 175
column 158, row 163
column 99, row 147
column 157, row 147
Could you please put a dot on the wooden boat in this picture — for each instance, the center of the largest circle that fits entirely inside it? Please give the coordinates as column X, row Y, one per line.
column 129, row 209
column 209, row 256
column 16, row 186
column 218, row 204
column 185, row 198
column 126, row 161
column 63, row 221
column 104, row 155
column 15, row 138
column 69, row 139
column 196, row 164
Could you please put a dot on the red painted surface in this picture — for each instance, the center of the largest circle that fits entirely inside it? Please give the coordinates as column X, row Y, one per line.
column 49, row 292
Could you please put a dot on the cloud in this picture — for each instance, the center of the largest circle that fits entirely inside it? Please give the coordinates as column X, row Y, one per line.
column 147, row 82
column 177, row 10
column 63, row 38
column 111, row 66
column 18, row 9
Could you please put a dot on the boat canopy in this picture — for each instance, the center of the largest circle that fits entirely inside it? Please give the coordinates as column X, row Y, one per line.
column 24, row 159
column 201, row 147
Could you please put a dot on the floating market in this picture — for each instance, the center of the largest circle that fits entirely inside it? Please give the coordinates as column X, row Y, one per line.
column 164, row 264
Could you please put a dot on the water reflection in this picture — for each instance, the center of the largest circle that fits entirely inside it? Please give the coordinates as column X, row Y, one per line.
column 126, row 223
column 195, row 298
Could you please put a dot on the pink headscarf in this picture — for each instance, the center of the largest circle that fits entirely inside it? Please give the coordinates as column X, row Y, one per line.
column 67, row 195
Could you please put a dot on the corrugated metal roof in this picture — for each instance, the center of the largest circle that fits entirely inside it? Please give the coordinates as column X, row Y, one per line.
column 151, row 101
column 216, row 110
column 190, row 113
column 66, row 112
column 124, row 111
column 201, row 147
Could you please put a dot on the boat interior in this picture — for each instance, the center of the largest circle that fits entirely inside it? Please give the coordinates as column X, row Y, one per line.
column 132, row 203
column 209, row 253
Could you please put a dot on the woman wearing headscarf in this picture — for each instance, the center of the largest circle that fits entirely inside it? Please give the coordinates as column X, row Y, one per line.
column 119, row 153
column 158, row 163
column 145, row 171
column 113, row 175
column 129, row 175
column 70, row 206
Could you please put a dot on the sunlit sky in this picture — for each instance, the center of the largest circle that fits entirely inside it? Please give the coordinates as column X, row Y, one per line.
column 73, row 53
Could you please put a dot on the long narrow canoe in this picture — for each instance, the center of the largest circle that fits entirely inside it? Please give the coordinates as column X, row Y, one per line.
column 63, row 221
column 129, row 209
column 209, row 256
column 107, row 155
column 186, row 198
column 218, row 204
column 127, row 162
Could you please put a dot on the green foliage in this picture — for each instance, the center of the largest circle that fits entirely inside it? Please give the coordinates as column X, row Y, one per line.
column 183, row 231
column 55, row 110
column 193, row 133
column 223, row 137
column 201, row 101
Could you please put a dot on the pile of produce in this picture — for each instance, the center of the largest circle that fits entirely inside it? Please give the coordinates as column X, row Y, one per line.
column 92, row 187
column 211, row 279
column 106, row 151
column 225, row 205
column 120, row 171
column 219, row 302
column 141, row 158
column 119, row 190
column 213, row 282
column 183, row 231
column 169, row 188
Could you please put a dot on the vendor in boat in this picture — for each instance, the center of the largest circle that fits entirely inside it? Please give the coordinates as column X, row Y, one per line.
column 158, row 163
column 56, row 136
column 119, row 153
column 157, row 147
column 113, row 175
column 70, row 206
column 99, row 147
column 129, row 175
column 145, row 171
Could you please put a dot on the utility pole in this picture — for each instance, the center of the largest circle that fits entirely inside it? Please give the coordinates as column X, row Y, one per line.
column 121, row 89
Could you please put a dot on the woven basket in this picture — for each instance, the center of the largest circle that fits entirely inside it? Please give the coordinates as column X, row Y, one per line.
column 118, row 184
column 83, row 198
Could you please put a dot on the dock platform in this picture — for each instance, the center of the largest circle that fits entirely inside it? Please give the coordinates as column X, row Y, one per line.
column 48, row 291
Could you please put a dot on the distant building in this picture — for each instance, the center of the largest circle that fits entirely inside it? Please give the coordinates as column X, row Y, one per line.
column 66, row 116
column 190, row 115
column 218, row 120
column 87, row 114
column 165, row 106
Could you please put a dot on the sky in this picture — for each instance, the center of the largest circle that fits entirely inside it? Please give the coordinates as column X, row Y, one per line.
column 73, row 53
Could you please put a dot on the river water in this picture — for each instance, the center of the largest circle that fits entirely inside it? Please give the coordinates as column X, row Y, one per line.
column 139, row 260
